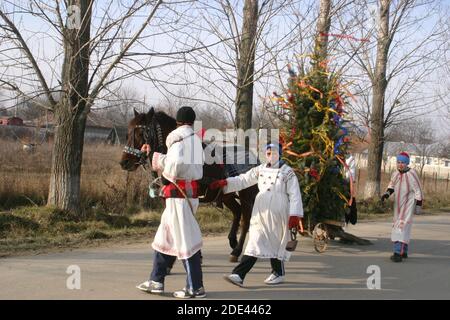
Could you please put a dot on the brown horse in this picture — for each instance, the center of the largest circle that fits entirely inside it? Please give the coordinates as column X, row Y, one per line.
column 153, row 128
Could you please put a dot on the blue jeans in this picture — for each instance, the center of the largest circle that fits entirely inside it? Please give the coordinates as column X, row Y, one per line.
column 194, row 279
column 400, row 247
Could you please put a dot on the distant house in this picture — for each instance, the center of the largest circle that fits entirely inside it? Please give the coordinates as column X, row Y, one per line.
column 117, row 135
column 98, row 129
column 11, row 121
column 25, row 134
column 426, row 156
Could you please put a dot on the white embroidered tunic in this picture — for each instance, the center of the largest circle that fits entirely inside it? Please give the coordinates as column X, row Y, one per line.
column 179, row 233
column 279, row 197
column 407, row 190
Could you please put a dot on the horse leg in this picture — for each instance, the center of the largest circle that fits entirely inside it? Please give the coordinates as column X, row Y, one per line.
column 247, row 200
column 231, row 203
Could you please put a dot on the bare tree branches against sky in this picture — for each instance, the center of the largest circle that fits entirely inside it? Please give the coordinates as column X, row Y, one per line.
column 115, row 25
column 415, row 60
column 191, row 47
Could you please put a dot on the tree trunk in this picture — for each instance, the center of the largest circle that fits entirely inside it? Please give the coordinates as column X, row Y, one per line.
column 323, row 29
column 379, row 83
column 246, row 66
column 67, row 154
column 71, row 113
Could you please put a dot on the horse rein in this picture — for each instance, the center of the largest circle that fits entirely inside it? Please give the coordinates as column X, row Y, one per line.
column 152, row 134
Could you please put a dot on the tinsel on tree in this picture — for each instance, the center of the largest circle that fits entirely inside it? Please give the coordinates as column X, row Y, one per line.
column 315, row 140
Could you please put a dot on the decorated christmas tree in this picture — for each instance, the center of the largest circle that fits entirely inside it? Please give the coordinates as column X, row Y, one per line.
column 315, row 140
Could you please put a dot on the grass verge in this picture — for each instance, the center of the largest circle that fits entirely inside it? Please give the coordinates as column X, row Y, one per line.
column 42, row 229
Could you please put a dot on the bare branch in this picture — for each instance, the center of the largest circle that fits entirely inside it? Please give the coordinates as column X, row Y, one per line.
column 24, row 47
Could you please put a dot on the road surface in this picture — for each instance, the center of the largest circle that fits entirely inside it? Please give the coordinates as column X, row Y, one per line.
column 112, row 272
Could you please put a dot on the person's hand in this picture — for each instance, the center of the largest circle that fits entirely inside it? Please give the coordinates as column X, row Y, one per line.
column 218, row 184
column 384, row 197
column 293, row 222
column 401, row 225
column 146, row 149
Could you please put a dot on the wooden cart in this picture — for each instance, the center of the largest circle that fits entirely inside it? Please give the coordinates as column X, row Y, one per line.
column 324, row 231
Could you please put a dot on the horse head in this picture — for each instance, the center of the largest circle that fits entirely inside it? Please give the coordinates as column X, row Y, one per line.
column 153, row 128
column 150, row 128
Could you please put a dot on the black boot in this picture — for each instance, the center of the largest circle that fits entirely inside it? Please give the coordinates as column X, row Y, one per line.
column 396, row 257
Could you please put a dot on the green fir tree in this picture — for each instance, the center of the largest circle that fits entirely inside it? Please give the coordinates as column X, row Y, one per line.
column 315, row 141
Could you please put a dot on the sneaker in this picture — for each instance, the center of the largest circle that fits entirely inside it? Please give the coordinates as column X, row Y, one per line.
column 396, row 257
column 188, row 294
column 234, row 279
column 151, row 287
column 270, row 278
column 274, row 279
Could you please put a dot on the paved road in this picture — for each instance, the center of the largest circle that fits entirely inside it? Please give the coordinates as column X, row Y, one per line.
column 339, row 273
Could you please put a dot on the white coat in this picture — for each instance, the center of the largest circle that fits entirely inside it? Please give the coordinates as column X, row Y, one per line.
column 279, row 197
column 179, row 233
column 407, row 190
column 350, row 173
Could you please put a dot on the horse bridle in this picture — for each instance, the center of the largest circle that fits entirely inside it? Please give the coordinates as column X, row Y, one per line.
column 152, row 136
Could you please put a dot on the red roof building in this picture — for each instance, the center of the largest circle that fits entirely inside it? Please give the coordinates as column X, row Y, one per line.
column 11, row 121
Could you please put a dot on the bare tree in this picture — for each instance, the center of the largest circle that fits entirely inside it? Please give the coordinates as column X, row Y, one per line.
column 418, row 135
column 31, row 109
column 379, row 83
column 92, row 51
column 423, row 146
column 392, row 77
column 119, row 105
column 243, row 42
column 444, row 149
column 211, row 118
column 316, row 36
column 246, row 65
column 443, row 74
column 323, row 29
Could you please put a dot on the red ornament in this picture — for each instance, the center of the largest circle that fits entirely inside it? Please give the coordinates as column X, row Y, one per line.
column 314, row 173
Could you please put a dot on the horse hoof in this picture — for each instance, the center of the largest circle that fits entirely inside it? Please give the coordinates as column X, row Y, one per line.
column 233, row 258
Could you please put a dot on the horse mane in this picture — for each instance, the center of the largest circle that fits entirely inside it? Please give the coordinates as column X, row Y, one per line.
column 164, row 118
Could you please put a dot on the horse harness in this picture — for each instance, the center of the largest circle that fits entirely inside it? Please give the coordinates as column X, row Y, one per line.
column 152, row 136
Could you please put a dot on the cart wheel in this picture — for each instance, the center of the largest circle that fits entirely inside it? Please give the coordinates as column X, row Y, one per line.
column 320, row 237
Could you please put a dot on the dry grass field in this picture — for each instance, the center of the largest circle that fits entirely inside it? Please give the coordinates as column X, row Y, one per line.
column 24, row 179
column 115, row 203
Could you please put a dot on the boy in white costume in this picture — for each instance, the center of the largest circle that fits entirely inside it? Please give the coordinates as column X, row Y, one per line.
column 405, row 183
column 178, row 234
column 278, row 207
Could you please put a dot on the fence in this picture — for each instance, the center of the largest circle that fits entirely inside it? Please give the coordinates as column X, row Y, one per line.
column 431, row 183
